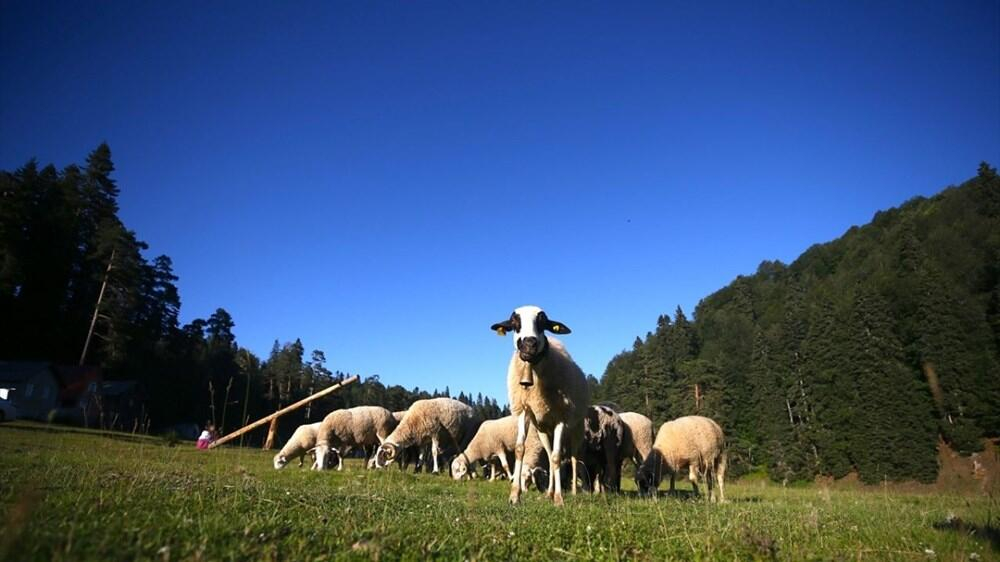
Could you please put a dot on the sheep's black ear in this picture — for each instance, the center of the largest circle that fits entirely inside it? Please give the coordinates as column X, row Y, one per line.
column 558, row 327
column 501, row 328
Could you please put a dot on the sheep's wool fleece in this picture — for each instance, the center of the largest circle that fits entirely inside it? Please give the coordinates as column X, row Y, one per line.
column 560, row 392
column 641, row 428
column 301, row 441
column 689, row 438
column 435, row 417
column 494, row 436
column 363, row 425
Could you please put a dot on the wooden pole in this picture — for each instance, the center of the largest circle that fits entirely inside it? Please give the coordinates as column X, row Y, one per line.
column 271, row 430
column 284, row 411
column 246, row 398
column 100, row 297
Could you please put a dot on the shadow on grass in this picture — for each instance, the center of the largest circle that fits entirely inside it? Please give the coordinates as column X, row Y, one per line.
column 683, row 495
column 987, row 532
column 52, row 428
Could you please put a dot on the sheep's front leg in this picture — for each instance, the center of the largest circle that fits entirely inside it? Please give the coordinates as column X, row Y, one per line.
column 550, row 488
column 555, row 461
column 504, row 464
column 574, row 450
column 341, row 453
column 434, row 453
column 517, row 485
column 693, row 477
column 613, row 467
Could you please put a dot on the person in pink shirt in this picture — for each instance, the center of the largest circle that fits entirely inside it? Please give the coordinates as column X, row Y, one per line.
column 207, row 436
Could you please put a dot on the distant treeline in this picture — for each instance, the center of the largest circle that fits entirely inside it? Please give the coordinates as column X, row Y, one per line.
column 61, row 240
column 859, row 356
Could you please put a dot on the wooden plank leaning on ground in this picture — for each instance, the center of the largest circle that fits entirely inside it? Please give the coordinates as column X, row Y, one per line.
column 283, row 411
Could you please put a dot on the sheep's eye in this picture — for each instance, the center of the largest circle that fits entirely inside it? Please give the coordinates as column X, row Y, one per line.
column 515, row 320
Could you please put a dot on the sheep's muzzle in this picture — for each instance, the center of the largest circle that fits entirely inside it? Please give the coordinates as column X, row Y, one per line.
column 386, row 454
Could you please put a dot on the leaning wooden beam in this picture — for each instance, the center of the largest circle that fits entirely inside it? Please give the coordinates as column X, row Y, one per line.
column 283, row 411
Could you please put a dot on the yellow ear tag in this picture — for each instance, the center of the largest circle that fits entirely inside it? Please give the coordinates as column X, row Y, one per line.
column 501, row 332
column 555, row 328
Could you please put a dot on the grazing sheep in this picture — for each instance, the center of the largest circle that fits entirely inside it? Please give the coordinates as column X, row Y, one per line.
column 494, row 440
column 606, row 439
column 438, row 420
column 535, row 464
column 547, row 390
column 692, row 442
column 642, row 432
column 412, row 454
column 301, row 442
column 355, row 427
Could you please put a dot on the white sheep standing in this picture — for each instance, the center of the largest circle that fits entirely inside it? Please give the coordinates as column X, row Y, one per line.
column 694, row 443
column 494, row 440
column 302, row 441
column 354, row 427
column 442, row 421
column 547, row 390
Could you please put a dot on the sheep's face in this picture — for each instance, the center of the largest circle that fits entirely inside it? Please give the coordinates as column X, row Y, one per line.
column 323, row 457
column 646, row 480
column 459, row 467
column 280, row 461
column 386, row 455
column 540, row 477
column 529, row 324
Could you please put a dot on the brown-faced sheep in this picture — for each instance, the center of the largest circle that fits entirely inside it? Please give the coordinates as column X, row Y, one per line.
column 694, row 443
column 547, row 390
column 442, row 421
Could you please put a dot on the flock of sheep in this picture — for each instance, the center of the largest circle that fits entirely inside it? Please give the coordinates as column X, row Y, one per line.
column 552, row 417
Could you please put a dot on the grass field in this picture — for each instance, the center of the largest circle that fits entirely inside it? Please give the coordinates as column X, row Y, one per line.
column 74, row 495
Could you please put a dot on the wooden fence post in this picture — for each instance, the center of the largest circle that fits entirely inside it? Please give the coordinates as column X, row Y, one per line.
column 274, row 417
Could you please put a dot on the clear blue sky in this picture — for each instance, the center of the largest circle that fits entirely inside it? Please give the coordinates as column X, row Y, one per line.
column 387, row 179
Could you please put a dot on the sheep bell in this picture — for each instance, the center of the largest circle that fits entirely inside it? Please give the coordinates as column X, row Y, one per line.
column 527, row 378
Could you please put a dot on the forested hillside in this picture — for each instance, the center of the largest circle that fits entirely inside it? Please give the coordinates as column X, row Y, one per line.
column 61, row 241
column 859, row 356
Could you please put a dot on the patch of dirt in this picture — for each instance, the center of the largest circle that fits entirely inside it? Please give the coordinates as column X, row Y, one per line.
column 978, row 473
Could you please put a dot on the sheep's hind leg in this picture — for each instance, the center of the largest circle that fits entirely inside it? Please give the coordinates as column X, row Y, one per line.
column 720, row 475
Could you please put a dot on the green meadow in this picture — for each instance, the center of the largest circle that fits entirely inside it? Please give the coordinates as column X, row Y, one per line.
column 78, row 495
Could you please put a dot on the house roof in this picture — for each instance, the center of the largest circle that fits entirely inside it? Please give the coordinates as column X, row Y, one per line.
column 20, row 371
